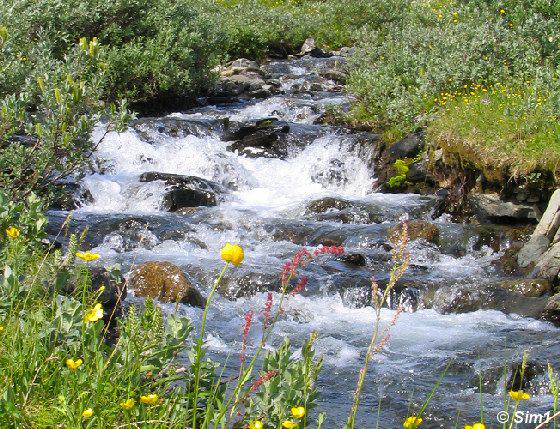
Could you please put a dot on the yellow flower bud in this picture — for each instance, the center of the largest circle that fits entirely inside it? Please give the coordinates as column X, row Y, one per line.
column 232, row 253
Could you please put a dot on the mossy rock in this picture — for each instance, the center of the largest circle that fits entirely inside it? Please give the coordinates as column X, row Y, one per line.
column 166, row 282
column 418, row 230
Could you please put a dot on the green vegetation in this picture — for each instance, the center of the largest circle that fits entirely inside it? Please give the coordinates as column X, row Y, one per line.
column 445, row 65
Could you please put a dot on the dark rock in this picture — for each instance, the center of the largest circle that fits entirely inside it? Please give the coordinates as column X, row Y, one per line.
column 185, row 191
column 131, row 234
column 71, row 196
column 260, row 138
column 356, row 259
column 114, row 291
column 418, row 230
column 551, row 311
column 409, row 147
column 164, row 281
column 524, row 379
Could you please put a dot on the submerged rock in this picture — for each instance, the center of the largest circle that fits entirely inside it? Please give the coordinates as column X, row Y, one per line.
column 164, row 281
column 526, row 287
column 418, row 230
column 259, row 138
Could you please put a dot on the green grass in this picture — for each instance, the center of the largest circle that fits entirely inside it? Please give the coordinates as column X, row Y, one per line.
column 502, row 131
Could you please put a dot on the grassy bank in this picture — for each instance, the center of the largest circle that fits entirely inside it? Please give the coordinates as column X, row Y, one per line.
column 480, row 76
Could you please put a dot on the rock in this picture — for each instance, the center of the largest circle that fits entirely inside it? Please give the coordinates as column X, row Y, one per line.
column 337, row 76
column 149, row 129
column 465, row 298
column 418, row 230
column 409, row 147
column 238, row 284
column 310, row 48
column 548, row 266
column 532, row 251
column 551, row 312
column 114, row 293
column 185, row 191
column 328, row 203
column 490, row 208
column 526, row 287
column 71, row 196
column 260, row 138
column 131, row 234
column 347, row 51
column 356, row 259
column 164, row 281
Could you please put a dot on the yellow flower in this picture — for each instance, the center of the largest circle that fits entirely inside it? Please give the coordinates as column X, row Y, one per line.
column 289, row 425
column 150, row 399
column 87, row 256
column 257, row 424
column 12, row 232
column 72, row 364
column 520, row 395
column 1, row 328
column 412, row 422
column 88, row 412
column 476, row 426
column 502, row 11
column 298, row 412
column 232, row 253
column 95, row 313
column 128, row 404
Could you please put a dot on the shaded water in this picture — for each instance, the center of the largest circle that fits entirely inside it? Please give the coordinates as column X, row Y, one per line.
column 266, row 209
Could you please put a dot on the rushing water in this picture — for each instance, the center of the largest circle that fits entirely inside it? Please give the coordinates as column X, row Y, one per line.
column 266, row 210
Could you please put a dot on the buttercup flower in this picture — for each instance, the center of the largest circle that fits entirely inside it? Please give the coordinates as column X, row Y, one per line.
column 1, row 328
column 128, row 404
column 298, row 412
column 94, row 314
column 520, row 395
column 476, row 426
column 12, row 232
column 150, row 399
column 257, row 424
column 88, row 412
column 87, row 256
column 412, row 422
column 72, row 364
column 232, row 253
column 289, row 424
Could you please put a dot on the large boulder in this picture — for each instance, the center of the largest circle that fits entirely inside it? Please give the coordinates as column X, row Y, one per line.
column 409, row 147
column 185, row 191
column 491, row 209
column 548, row 266
column 418, row 230
column 164, row 281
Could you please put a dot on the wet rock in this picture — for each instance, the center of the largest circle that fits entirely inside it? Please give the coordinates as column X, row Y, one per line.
column 71, row 196
column 328, row 203
column 531, row 373
column 465, row 298
column 185, row 191
column 242, row 79
column 131, row 234
column 260, row 138
column 309, row 47
column 150, row 129
column 356, row 259
column 409, row 147
column 164, row 281
column 551, row 311
column 418, row 230
column 550, row 221
column 237, row 285
column 490, row 208
column 526, row 287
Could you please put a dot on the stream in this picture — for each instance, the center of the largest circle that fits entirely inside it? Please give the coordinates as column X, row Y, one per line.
column 314, row 186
